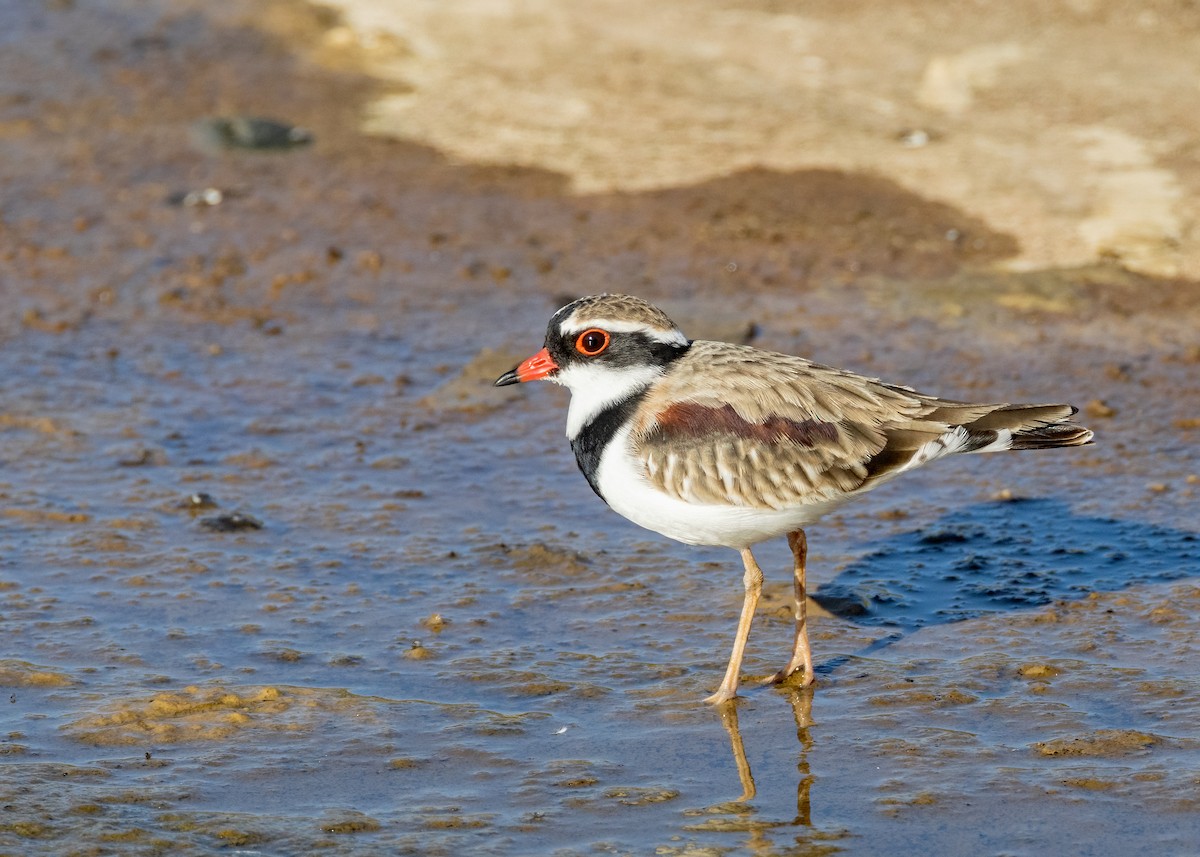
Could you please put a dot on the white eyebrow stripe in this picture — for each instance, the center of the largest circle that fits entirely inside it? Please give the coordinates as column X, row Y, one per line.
column 673, row 336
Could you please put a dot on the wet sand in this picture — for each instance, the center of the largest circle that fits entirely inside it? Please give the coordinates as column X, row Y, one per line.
column 280, row 572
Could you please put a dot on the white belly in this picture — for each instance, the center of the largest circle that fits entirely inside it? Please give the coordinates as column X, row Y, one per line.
column 624, row 486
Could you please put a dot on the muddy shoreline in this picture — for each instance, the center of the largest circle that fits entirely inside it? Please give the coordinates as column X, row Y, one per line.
column 438, row 641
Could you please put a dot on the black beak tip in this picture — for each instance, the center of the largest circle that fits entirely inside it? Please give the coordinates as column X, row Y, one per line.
column 509, row 377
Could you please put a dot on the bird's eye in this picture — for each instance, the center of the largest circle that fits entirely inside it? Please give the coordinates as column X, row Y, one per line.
column 591, row 342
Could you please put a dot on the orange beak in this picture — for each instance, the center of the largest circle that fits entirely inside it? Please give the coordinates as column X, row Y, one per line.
column 538, row 366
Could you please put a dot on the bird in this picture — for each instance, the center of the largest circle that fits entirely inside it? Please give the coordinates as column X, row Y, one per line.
column 712, row 443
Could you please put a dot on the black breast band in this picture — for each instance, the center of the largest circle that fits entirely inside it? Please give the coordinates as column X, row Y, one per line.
column 594, row 437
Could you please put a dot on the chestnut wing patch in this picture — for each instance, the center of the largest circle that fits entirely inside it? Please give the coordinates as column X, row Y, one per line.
column 687, row 419
column 711, row 454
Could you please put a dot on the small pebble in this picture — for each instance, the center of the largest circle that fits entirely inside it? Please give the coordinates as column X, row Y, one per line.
column 198, row 500
column 251, row 132
column 915, row 138
column 418, row 652
column 231, row 523
column 208, row 197
column 1097, row 409
column 435, row 622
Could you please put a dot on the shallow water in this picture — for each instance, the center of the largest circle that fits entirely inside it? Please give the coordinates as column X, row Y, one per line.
column 439, row 641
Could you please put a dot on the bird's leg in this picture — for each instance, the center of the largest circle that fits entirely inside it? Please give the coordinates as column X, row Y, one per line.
column 801, row 653
column 753, row 581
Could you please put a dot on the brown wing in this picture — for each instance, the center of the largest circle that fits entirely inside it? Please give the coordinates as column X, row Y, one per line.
column 770, row 431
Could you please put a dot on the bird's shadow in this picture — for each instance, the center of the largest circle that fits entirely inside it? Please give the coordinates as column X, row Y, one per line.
column 1002, row 556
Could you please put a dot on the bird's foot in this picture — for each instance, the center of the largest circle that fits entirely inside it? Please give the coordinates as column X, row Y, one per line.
column 722, row 695
column 787, row 672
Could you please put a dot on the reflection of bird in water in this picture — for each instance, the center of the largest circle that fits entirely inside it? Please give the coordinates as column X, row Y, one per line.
column 801, row 700
column 717, row 444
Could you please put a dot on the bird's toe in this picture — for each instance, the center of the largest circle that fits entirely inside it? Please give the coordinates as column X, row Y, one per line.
column 721, row 696
column 806, row 678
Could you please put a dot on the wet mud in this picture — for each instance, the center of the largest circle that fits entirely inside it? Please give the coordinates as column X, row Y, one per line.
column 281, row 573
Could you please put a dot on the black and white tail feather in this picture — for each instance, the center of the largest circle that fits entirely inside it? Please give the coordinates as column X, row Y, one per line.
column 1001, row 428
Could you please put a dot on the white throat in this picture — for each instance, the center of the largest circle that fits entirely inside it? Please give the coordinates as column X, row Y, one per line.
column 594, row 388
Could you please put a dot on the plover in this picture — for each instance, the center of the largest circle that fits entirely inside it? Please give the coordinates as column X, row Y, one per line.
column 710, row 443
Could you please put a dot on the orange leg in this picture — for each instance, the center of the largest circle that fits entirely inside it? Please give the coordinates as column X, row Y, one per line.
column 801, row 652
column 753, row 581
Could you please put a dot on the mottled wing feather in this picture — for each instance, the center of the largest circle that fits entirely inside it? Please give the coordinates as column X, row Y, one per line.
column 760, row 385
column 733, row 425
column 804, row 434
column 722, row 465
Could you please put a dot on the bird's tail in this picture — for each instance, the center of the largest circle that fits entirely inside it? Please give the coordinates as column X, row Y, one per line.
column 1025, row 427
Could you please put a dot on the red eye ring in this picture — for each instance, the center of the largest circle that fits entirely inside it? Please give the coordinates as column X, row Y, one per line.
column 592, row 342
